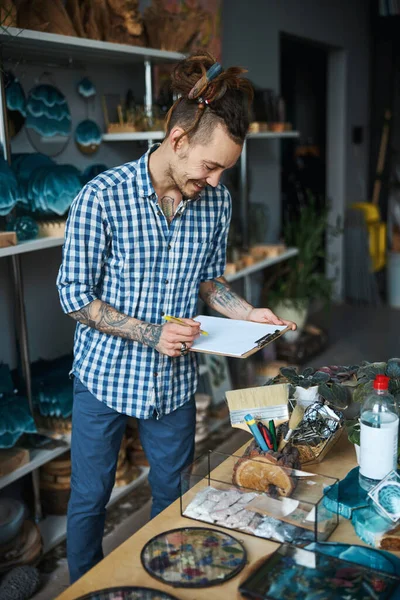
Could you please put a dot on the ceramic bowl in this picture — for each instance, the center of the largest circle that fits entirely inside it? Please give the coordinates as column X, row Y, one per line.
column 12, row 513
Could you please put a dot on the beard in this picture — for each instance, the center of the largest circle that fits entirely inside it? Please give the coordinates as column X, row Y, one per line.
column 185, row 185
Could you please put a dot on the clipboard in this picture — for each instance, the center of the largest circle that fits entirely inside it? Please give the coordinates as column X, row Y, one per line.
column 235, row 338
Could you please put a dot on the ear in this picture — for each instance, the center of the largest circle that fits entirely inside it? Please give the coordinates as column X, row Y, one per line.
column 178, row 143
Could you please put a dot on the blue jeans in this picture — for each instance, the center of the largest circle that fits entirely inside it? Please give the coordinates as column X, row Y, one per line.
column 97, row 432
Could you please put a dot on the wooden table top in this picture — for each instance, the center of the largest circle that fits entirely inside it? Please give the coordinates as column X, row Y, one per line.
column 123, row 567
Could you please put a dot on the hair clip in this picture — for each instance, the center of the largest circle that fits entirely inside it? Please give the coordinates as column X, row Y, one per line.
column 211, row 74
column 214, row 71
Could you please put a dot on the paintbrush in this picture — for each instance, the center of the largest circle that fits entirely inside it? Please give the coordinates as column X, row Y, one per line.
column 295, row 419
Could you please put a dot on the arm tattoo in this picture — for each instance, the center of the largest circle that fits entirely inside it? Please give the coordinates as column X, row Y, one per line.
column 105, row 318
column 218, row 294
column 151, row 334
column 167, row 206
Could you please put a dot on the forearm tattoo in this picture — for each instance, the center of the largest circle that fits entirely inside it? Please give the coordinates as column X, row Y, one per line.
column 219, row 296
column 167, row 206
column 105, row 318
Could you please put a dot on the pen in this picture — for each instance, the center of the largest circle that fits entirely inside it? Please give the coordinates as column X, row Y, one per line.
column 272, row 429
column 251, row 423
column 266, row 435
column 176, row 320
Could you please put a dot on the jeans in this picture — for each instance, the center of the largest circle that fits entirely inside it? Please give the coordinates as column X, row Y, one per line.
column 97, row 432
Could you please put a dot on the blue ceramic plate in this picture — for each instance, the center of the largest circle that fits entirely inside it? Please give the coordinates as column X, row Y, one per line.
column 9, row 189
column 15, row 419
column 47, row 111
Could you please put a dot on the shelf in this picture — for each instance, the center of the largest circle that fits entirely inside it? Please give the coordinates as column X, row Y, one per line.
column 54, row 528
column 32, row 245
column 263, row 264
column 26, row 44
column 273, row 134
column 159, row 135
column 39, row 457
column 133, row 137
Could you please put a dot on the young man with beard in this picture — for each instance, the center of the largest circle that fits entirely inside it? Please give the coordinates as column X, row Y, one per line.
column 144, row 240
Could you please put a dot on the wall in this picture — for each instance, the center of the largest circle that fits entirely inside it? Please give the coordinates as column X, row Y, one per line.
column 251, row 37
column 50, row 332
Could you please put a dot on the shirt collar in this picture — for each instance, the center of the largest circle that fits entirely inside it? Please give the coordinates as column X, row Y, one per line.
column 144, row 184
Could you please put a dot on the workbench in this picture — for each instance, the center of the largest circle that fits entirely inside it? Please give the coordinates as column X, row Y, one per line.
column 123, row 567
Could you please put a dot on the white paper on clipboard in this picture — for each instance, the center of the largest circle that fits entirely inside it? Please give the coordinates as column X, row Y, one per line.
column 231, row 337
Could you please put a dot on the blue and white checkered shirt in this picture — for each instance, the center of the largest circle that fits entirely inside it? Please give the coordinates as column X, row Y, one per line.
column 119, row 248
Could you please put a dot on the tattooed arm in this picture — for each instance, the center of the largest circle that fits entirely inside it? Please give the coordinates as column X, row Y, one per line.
column 167, row 338
column 219, row 296
column 104, row 318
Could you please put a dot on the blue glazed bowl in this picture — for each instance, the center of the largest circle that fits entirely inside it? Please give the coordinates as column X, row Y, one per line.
column 12, row 513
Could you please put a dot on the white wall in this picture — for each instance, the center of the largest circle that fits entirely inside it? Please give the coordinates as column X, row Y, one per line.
column 50, row 332
column 251, row 39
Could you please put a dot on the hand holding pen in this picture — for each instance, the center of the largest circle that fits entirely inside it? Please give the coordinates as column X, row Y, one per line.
column 175, row 339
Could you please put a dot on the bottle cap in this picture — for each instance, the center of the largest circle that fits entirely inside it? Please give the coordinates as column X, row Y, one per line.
column 381, row 382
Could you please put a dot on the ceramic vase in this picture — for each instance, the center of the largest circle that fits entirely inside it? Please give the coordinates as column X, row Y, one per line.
column 290, row 312
column 306, row 397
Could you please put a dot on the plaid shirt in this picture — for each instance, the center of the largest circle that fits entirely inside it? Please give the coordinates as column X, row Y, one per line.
column 120, row 249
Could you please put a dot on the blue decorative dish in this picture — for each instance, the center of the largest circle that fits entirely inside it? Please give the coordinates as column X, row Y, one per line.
column 9, row 189
column 15, row 420
column 86, row 88
column 52, row 189
column 47, row 111
column 88, row 136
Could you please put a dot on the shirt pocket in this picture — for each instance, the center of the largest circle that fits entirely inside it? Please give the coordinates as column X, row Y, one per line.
column 191, row 260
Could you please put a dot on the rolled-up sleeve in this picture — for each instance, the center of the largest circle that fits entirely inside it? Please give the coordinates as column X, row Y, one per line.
column 83, row 252
column 215, row 266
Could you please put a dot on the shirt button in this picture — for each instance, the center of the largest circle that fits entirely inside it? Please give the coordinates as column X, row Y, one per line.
column 166, row 281
column 159, row 213
column 169, row 246
column 162, row 313
column 155, row 374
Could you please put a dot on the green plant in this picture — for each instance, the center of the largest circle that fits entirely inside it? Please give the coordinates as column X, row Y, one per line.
column 330, row 381
column 367, row 373
column 353, row 431
column 301, row 279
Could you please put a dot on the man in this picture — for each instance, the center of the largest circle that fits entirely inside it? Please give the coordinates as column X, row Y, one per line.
column 143, row 241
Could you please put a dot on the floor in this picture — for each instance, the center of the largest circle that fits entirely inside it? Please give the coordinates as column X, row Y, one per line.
column 356, row 334
column 125, row 518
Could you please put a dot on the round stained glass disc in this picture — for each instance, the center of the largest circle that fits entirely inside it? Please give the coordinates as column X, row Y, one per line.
column 127, row 593
column 193, row 557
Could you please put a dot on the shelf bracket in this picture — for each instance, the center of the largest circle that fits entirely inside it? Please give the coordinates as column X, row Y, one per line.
column 244, row 200
column 148, row 98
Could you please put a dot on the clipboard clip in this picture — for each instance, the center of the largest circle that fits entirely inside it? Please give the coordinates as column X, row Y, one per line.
column 266, row 339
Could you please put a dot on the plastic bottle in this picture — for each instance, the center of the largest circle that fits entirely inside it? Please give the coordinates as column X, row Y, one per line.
column 379, row 434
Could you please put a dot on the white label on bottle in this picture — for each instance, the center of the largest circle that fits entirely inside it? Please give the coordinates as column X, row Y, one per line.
column 378, row 449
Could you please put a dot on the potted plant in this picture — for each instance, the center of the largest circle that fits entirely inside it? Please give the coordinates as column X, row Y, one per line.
column 300, row 280
column 329, row 383
column 367, row 373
